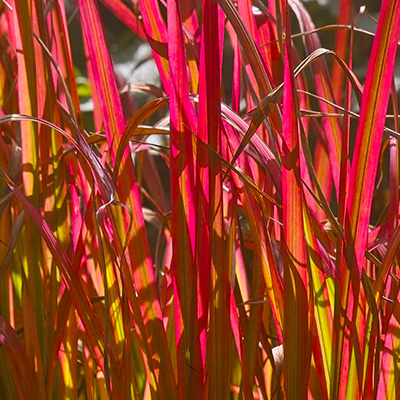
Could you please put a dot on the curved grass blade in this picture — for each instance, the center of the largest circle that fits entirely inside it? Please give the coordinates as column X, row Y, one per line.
column 20, row 365
column 264, row 108
column 104, row 182
column 140, row 116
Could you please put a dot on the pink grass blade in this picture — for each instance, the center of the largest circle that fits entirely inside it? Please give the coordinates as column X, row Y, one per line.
column 365, row 160
column 156, row 31
column 323, row 174
column 269, row 44
column 394, row 168
column 248, row 45
column 324, row 89
column 237, row 329
column 254, row 326
column 245, row 10
column 192, row 31
column 370, row 129
column 128, row 17
column 103, row 74
column 252, row 54
column 341, row 46
column 203, row 264
column 342, row 201
column 296, row 334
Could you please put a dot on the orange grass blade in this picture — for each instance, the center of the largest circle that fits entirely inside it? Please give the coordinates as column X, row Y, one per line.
column 31, row 100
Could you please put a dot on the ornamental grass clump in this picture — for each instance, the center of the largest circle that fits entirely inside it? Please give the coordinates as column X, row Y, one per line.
column 225, row 228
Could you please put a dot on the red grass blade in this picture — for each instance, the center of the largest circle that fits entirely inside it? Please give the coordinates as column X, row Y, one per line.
column 210, row 187
column 20, row 366
column 183, row 205
column 296, row 334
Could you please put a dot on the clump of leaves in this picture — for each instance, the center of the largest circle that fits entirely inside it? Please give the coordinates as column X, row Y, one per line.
column 251, row 254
